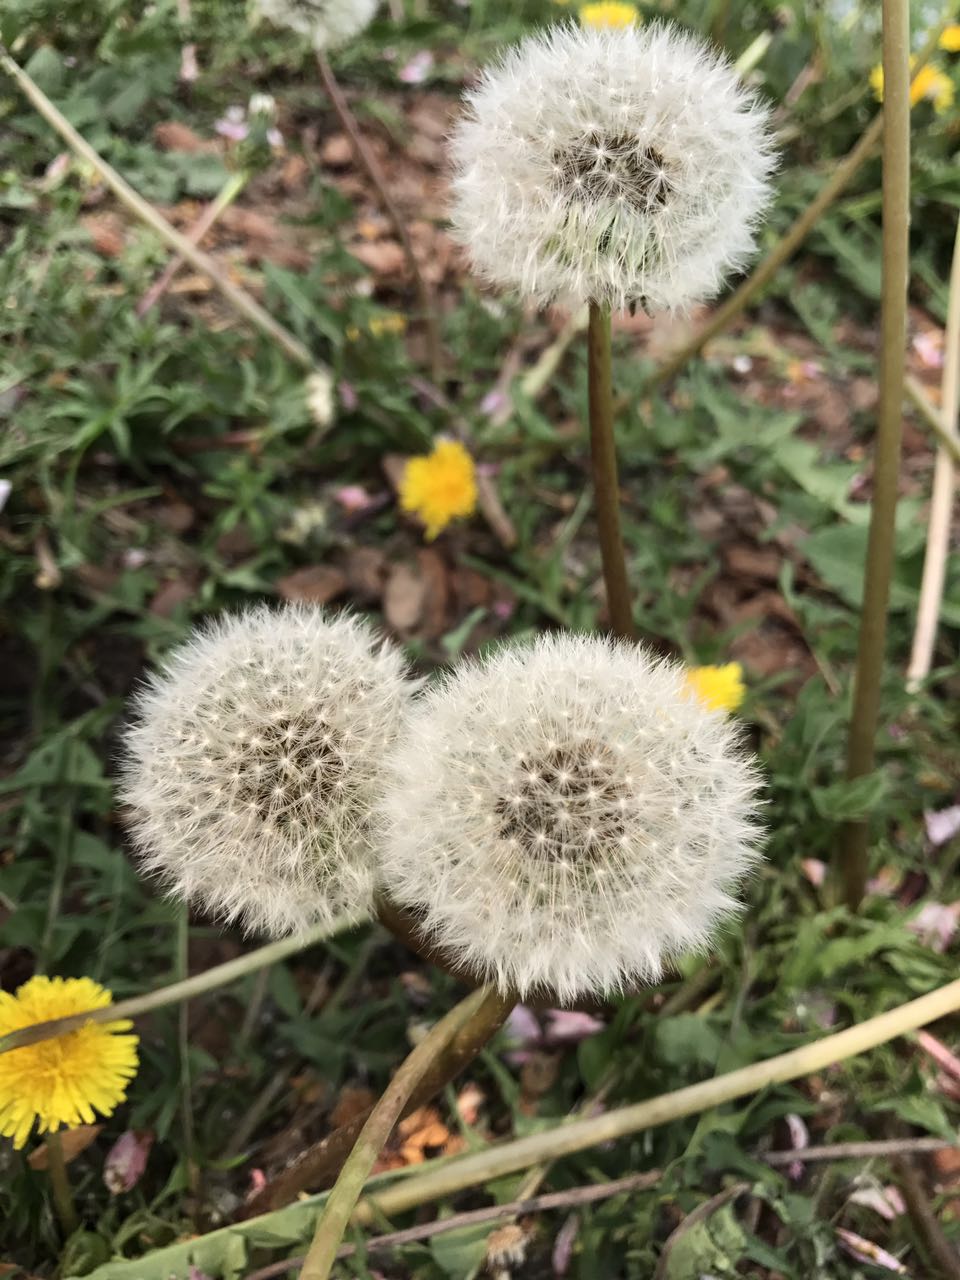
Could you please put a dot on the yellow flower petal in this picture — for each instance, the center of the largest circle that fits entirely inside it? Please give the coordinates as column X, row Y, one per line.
column 62, row 1081
column 440, row 486
column 609, row 13
column 950, row 38
column 719, row 688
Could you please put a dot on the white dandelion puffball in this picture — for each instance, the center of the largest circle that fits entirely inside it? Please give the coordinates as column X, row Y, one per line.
column 615, row 166
column 566, row 817
column 327, row 24
column 253, row 765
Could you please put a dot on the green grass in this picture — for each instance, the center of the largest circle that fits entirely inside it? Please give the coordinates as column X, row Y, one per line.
column 132, row 516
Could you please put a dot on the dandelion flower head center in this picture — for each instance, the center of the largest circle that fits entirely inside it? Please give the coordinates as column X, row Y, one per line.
column 567, row 806
column 617, row 168
column 283, row 773
column 267, row 751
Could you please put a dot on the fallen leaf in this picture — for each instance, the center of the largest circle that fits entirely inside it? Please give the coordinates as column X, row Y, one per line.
column 538, row 1075
column 365, row 568
column 106, row 233
column 353, row 1101
column 384, row 258
column 314, row 584
column 171, row 594
column 762, row 563
column 403, row 598
column 336, row 152
column 171, row 135
column 73, row 1141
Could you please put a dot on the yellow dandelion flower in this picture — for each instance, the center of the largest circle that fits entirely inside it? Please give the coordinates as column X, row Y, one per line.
column 950, row 38
column 62, row 1081
column 440, row 486
column 719, row 688
column 609, row 13
column 929, row 83
column 388, row 322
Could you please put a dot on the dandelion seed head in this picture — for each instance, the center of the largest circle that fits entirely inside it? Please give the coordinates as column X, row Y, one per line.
column 565, row 818
column 327, row 24
column 611, row 165
column 253, row 763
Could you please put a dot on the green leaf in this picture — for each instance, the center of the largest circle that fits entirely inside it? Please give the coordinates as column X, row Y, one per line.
column 457, row 1253
column 850, row 801
column 687, row 1039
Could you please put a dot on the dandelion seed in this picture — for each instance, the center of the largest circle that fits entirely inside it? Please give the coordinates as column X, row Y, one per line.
column 63, row 1081
column 254, row 763
column 719, row 688
column 327, row 24
column 611, row 166
column 440, row 486
column 565, row 817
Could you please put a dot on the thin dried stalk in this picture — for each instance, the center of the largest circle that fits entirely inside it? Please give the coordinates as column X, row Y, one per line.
column 941, row 500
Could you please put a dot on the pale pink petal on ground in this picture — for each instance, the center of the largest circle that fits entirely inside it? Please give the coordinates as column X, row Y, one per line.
column 866, row 1251
column 942, row 825
column 563, row 1245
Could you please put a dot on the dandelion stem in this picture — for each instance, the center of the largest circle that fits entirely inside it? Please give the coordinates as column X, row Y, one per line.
column 222, row 201
column 500, row 1160
column 447, row 1177
column 60, row 1184
column 241, row 301
column 319, row 1164
column 881, row 545
column 484, row 1007
column 198, row 985
column 941, row 499
column 603, row 451
column 371, row 167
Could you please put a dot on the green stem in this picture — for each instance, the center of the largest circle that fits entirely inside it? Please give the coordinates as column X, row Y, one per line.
column 579, row 1135
column 841, row 177
column 603, row 451
column 932, row 417
column 784, row 249
column 222, row 201
column 239, row 299
column 482, row 1007
column 182, row 968
column 448, row 1177
column 219, row 976
column 60, row 1184
column 368, row 162
column 320, row 1164
column 881, row 545
column 939, row 520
